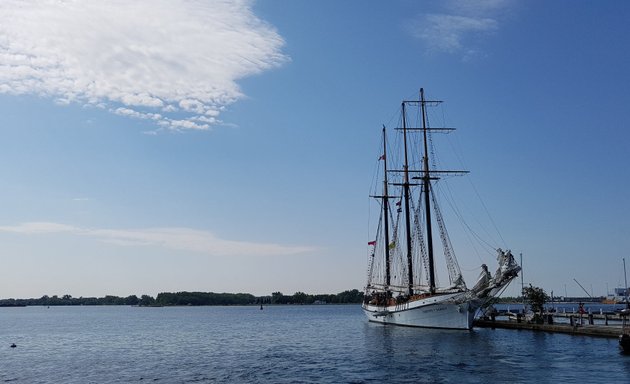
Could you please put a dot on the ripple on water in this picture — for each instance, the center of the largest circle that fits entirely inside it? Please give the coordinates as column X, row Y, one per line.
column 283, row 344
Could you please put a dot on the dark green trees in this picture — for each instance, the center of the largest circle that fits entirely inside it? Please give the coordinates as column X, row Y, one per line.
column 536, row 298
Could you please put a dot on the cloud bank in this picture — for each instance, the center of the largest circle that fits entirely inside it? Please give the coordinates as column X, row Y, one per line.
column 174, row 62
column 185, row 239
column 461, row 22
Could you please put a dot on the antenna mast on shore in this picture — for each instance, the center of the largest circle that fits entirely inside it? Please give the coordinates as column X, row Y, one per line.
column 625, row 277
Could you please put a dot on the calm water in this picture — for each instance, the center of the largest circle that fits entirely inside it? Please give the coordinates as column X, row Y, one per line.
column 283, row 344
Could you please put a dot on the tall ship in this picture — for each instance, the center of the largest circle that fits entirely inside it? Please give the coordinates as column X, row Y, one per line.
column 403, row 286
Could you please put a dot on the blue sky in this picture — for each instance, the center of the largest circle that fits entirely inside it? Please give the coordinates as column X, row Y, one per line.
column 229, row 146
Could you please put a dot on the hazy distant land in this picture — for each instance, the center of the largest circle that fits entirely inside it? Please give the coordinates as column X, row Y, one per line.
column 191, row 298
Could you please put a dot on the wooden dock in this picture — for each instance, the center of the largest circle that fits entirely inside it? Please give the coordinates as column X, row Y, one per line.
column 575, row 329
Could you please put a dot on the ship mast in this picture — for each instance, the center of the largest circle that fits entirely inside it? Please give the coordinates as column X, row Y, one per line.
column 427, row 175
column 385, row 203
column 426, row 181
column 386, row 213
column 406, row 194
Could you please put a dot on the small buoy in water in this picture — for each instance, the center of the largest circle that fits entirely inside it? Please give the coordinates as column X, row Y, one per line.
column 13, row 345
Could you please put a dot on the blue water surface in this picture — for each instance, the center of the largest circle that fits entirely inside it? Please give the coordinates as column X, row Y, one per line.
column 282, row 344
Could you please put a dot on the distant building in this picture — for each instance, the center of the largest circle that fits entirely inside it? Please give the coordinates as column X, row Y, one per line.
column 620, row 296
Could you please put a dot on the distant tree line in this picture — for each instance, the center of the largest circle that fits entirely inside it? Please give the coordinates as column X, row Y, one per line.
column 192, row 298
column 69, row 300
column 346, row 297
column 204, row 298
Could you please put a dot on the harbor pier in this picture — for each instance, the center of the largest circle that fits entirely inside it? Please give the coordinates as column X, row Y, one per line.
column 585, row 326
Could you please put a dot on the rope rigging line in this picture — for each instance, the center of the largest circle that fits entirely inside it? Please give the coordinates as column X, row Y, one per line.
column 371, row 257
column 418, row 219
column 454, row 272
column 468, row 230
column 488, row 214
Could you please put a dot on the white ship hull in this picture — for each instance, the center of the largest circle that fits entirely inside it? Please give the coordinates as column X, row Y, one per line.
column 439, row 311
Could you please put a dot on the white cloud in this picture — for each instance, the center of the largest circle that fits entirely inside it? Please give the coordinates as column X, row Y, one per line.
column 446, row 32
column 39, row 227
column 172, row 238
column 479, row 7
column 461, row 22
column 152, row 57
column 133, row 113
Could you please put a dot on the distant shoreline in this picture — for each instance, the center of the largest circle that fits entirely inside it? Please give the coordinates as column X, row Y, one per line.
column 185, row 298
